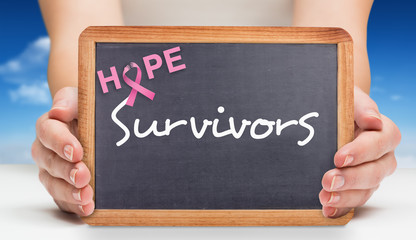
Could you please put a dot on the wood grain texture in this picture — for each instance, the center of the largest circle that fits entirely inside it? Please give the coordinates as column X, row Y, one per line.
column 345, row 93
column 86, row 103
column 177, row 34
column 170, row 34
column 213, row 218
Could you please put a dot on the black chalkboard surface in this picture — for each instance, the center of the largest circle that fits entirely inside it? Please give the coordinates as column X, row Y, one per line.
column 227, row 126
column 250, row 81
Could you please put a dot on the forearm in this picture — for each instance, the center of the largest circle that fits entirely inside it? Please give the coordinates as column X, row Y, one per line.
column 65, row 20
column 362, row 74
column 351, row 15
column 62, row 68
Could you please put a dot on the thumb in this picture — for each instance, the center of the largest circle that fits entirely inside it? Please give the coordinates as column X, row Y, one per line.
column 366, row 114
column 65, row 105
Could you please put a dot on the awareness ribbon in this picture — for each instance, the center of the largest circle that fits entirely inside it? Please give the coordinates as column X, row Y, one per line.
column 135, row 85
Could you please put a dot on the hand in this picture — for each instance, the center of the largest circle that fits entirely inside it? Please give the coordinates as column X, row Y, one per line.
column 58, row 153
column 363, row 163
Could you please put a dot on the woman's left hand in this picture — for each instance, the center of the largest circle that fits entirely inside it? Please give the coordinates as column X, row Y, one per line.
column 363, row 163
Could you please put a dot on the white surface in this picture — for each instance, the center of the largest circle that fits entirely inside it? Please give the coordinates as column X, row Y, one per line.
column 27, row 212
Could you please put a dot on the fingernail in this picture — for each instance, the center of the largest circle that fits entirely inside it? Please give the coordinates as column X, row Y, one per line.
column 337, row 182
column 68, row 152
column 373, row 113
column 81, row 208
column 77, row 194
column 334, row 198
column 335, row 212
column 348, row 160
column 72, row 175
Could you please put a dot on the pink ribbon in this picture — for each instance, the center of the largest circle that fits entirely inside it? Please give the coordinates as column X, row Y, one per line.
column 135, row 85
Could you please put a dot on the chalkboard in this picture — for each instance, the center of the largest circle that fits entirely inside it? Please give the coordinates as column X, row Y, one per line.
column 213, row 125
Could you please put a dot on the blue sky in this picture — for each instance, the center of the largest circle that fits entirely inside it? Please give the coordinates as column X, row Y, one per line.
column 392, row 54
column 24, row 95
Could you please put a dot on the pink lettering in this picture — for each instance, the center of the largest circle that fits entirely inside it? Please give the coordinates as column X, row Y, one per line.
column 170, row 60
column 113, row 77
column 150, row 68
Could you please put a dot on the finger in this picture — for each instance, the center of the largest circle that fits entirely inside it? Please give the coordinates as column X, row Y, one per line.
column 364, row 176
column 366, row 114
column 56, row 136
column 331, row 212
column 76, row 174
column 62, row 191
column 64, row 206
column 369, row 145
column 87, row 209
column 81, row 210
column 343, row 199
column 65, row 105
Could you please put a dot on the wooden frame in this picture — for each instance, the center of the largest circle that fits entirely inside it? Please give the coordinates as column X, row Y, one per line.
column 87, row 43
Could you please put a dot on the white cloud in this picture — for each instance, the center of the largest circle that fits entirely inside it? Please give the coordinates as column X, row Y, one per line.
column 396, row 97
column 406, row 161
column 406, row 151
column 31, row 94
column 16, row 149
column 43, row 43
column 12, row 65
column 27, row 71
column 31, row 62
column 377, row 89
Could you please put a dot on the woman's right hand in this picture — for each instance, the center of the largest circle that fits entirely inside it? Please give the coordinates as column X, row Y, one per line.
column 58, row 154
